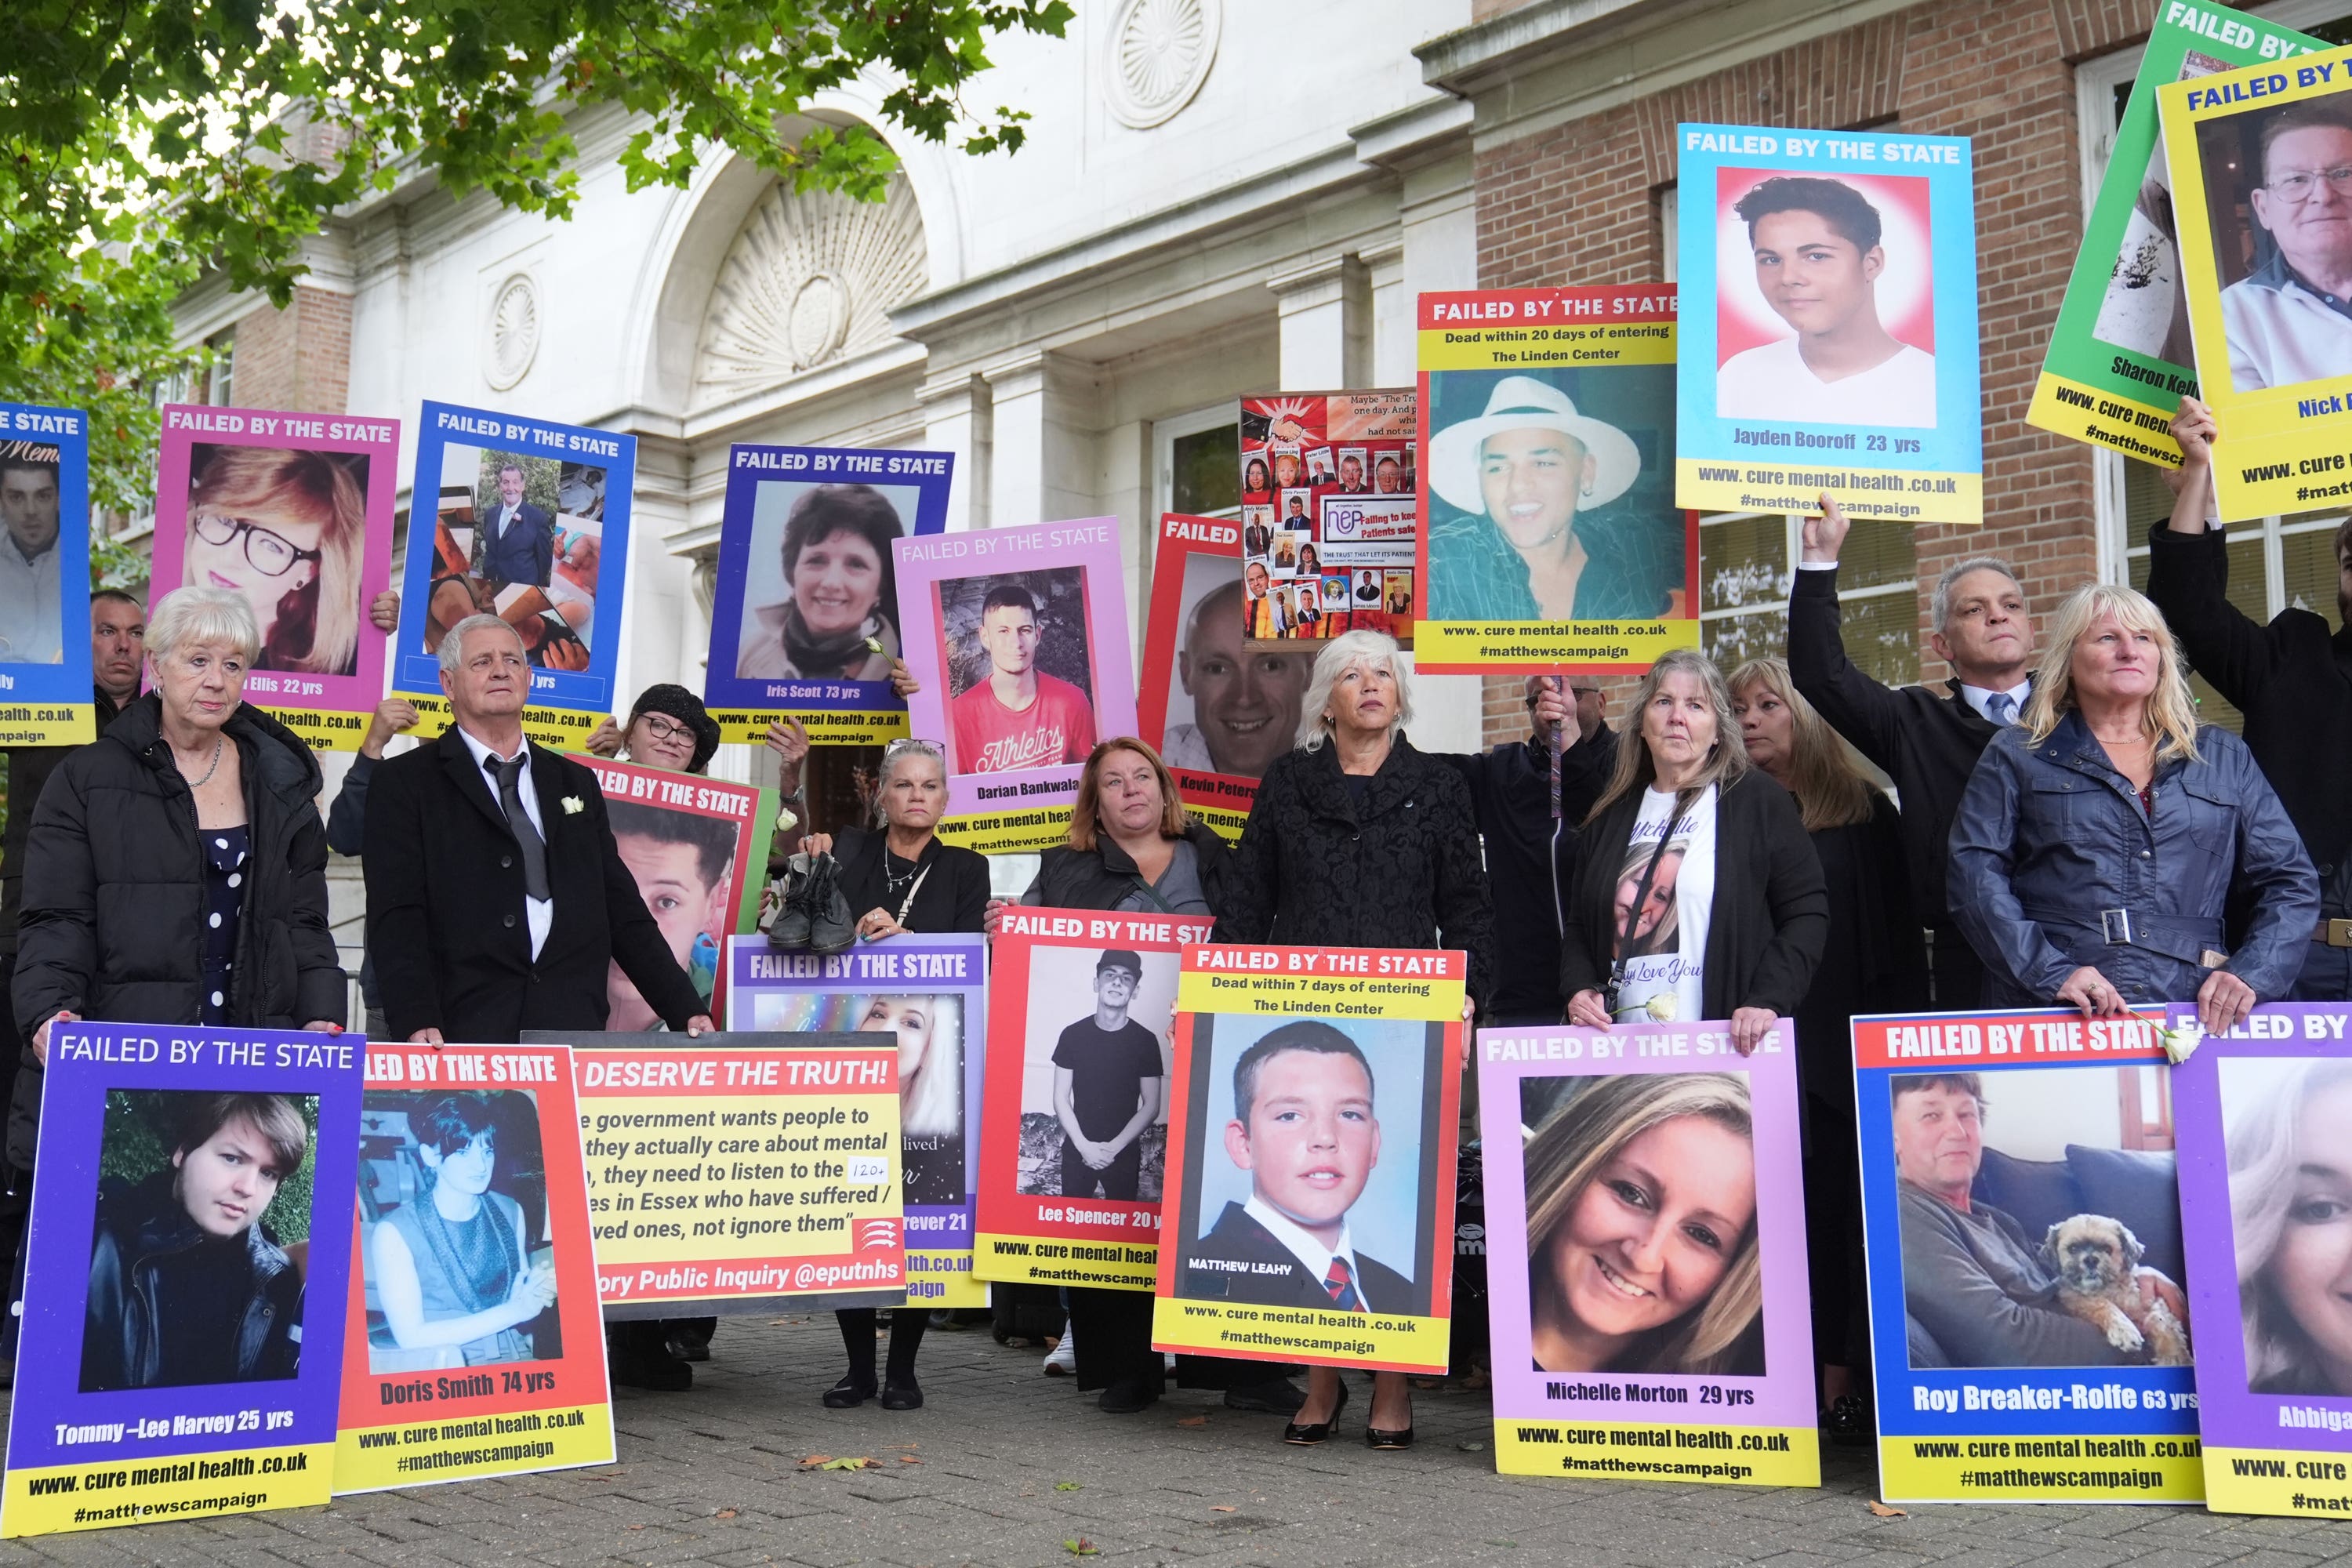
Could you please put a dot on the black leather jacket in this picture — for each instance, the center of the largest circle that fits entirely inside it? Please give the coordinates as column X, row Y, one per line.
column 140, row 1230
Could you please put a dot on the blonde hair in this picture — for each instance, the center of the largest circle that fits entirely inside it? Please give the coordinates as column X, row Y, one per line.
column 2171, row 715
column 1567, row 1152
column 1831, row 791
column 930, row 1104
column 1086, row 815
column 1725, row 765
column 1340, row 655
column 2262, row 1158
column 327, row 608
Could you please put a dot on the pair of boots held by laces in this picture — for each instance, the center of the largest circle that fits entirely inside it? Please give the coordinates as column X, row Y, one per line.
column 811, row 913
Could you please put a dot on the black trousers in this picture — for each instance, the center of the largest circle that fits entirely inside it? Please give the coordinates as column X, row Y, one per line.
column 1114, row 1330
column 906, row 1325
column 1958, row 974
column 1118, row 1180
column 1834, row 1252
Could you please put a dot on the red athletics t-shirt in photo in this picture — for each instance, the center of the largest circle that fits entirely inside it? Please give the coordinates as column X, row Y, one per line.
column 990, row 738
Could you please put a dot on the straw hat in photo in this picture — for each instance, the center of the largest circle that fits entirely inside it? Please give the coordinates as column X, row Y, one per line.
column 1523, row 403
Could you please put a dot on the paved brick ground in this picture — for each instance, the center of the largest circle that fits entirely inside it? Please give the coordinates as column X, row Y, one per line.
column 714, row 1477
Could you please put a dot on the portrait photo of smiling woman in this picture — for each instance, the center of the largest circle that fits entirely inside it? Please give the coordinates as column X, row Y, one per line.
column 2290, row 1143
column 1641, row 1203
column 188, row 1283
column 284, row 530
column 833, row 611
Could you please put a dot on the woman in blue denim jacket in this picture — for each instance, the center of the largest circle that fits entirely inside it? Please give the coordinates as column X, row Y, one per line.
column 2102, row 838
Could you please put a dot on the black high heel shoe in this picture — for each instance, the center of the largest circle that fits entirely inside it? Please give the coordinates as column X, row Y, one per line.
column 850, row 1392
column 1310, row 1432
column 1375, row 1437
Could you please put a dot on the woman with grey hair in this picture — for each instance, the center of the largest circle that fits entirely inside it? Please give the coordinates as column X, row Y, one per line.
column 177, row 872
column 907, row 883
column 1355, row 839
column 1697, row 893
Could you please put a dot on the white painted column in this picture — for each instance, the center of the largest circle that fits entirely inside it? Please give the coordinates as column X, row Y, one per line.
column 958, row 420
column 1325, row 309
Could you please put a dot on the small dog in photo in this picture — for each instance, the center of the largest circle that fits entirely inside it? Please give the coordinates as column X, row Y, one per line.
column 2097, row 1260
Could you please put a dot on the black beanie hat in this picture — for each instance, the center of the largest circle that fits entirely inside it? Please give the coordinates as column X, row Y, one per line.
column 679, row 703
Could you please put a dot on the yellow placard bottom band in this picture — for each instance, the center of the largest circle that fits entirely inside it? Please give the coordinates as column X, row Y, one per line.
column 1023, row 831
column 47, row 724
column 1795, row 480
column 2122, row 425
column 1041, row 1260
column 825, row 726
column 418, row 1453
column 1609, row 1450
column 58, row 1498
column 2296, row 1483
column 2041, row 1469
column 558, row 729
column 1319, row 1336
column 1537, row 647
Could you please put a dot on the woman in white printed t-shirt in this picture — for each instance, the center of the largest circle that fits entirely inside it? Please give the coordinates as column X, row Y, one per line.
column 1697, row 892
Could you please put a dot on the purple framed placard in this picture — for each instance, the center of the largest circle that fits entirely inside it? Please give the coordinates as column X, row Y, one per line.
column 931, row 992
column 1658, row 1326
column 154, row 1194
column 1019, row 636
column 293, row 512
column 2264, row 1121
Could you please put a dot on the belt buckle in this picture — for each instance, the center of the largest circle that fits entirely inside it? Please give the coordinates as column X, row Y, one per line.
column 2340, row 933
column 2116, row 924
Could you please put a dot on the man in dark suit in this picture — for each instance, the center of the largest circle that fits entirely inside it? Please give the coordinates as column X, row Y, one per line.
column 518, row 539
column 496, row 901
column 1927, row 742
column 1304, row 1129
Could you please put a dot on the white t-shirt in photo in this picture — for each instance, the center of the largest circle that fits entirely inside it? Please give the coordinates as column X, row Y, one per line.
column 1775, row 382
column 1681, row 969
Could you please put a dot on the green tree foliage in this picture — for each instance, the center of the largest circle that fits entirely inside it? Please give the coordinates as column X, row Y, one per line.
column 145, row 143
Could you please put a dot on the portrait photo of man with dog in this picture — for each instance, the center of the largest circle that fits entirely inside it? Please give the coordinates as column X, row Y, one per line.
column 2006, row 1261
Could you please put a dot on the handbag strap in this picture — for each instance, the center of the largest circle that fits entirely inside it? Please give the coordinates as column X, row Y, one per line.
column 915, row 886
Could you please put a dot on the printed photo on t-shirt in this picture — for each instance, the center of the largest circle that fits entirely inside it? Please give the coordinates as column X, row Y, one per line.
column 1021, row 683
column 1095, row 1071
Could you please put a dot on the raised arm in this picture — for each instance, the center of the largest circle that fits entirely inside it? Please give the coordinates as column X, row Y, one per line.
column 1857, row 706
column 2189, row 578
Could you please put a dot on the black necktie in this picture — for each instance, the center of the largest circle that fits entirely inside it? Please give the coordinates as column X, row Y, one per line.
column 534, row 847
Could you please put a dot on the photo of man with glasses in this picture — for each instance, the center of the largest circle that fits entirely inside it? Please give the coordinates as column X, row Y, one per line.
column 2289, row 319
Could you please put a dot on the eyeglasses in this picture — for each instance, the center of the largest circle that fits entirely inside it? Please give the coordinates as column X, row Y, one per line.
column 271, row 555
column 2301, row 185
column 904, row 744
column 663, row 729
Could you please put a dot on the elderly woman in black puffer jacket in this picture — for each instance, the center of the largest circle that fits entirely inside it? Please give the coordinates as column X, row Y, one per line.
column 1357, row 839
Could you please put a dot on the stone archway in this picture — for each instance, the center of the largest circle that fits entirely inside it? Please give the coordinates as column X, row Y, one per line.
column 809, row 280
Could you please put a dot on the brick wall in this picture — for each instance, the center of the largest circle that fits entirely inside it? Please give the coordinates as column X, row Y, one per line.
column 1578, row 203
column 299, row 358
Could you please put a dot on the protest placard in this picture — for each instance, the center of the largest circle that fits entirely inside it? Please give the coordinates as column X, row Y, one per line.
column 1645, row 1244
column 2019, row 1198
column 1550, row 541
column 475, row 1346
column 698, row 848
column 1074, row 1125
column 526, row 520
column 805, row 620
column 2257, row 157
column 2121, row 358
column 1328, row 515
column 1831, row 343
column 1311, row 1157
column 1218, row 710
column 735, row 1173
column 2264, row 1117
column 930, row 993
column 292, row 512
column 1019, row 636
column 44, row 675
column 185, row 1275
